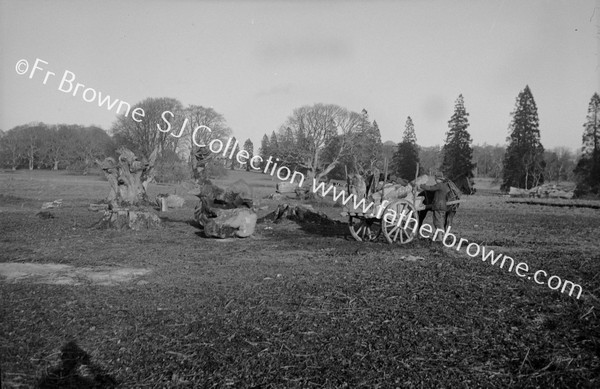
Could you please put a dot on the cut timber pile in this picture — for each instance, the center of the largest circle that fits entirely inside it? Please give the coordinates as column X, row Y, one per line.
column 392, row 192
column 553, row 191
column 518, row 192
column 560, row 191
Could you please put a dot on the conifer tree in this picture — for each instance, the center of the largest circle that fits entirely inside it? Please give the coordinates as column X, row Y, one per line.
column 265, row 147
column 524, row 159
column 376, row 154
column 457, row 154
column 588, row 167
column 235, row 151
column 274, row 145
column 249, row 147
column 406, row 158
column 367, row 147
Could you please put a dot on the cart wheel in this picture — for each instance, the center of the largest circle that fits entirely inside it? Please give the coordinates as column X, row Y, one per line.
column 364, row 230
column 394, row 232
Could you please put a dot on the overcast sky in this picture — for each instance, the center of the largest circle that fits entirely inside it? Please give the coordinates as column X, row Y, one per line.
column 255, row 61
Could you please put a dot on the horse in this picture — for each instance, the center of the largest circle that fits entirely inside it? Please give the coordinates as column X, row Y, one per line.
column 463, row 183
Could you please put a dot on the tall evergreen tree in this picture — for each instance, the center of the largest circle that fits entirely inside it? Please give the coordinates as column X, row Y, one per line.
column 237, row 149
column 367, row 148
column 375, row 156
column 406, row 158
column 265, row 147
column 588, row 167
column 457, row 154
column 290, row 152
column 524, row 159
column 274, row 145
column 286, row 140
column 249, row 147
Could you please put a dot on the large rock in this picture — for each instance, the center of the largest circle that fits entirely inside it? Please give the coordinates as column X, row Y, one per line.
column 238, row 194
column 169, row 201
column 225, row 213
column 286, row 187
column 229, row 223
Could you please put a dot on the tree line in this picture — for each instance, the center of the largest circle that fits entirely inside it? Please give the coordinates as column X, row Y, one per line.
column 61, row 146
column 322, row 140
column 313, row 139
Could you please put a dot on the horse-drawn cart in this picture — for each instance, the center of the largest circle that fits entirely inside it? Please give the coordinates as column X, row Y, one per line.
column 398, row 200
column 402, row 203
column 370, row 226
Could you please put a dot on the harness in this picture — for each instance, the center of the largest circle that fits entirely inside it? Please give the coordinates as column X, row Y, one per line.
column 453, row 194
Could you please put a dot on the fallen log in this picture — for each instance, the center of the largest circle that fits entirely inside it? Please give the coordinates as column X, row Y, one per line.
column 299, row 213
column 556, row 203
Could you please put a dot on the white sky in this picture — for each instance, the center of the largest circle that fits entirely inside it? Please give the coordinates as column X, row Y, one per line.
column 255, row 62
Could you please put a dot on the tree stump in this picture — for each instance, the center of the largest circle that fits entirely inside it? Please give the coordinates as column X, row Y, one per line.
column 128, row 203
column 128, row 177
column 202, row 157
column 127, row 218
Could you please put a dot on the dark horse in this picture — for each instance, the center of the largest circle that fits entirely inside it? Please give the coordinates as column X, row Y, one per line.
column 466, row 187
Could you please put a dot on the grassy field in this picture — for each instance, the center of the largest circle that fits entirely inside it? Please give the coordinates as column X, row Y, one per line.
column 298, row 306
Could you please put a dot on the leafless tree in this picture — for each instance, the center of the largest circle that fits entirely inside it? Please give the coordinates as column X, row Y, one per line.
column 323, row 132
column 144, row 136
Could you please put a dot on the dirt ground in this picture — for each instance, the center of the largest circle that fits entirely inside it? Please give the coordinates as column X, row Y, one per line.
column 295, row 305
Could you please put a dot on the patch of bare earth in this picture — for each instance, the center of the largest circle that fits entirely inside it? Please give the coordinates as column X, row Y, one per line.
column 57, row 274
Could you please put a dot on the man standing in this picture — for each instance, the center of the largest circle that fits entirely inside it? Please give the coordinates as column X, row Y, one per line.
column 439, row 207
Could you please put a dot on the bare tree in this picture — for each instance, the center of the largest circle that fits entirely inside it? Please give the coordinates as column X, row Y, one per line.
column 93, row 143
column 324, row 133
column 560, row 163
column 67, row 143
column 150, row 132
column 32, row 137
column 11, row 148
column 489, row 160
column 204, row 125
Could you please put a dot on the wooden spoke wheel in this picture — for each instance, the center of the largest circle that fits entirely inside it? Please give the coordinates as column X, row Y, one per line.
column 364, row 229
column 394, row 231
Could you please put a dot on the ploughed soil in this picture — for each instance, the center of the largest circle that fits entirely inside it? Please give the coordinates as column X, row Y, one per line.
column 295, row 305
